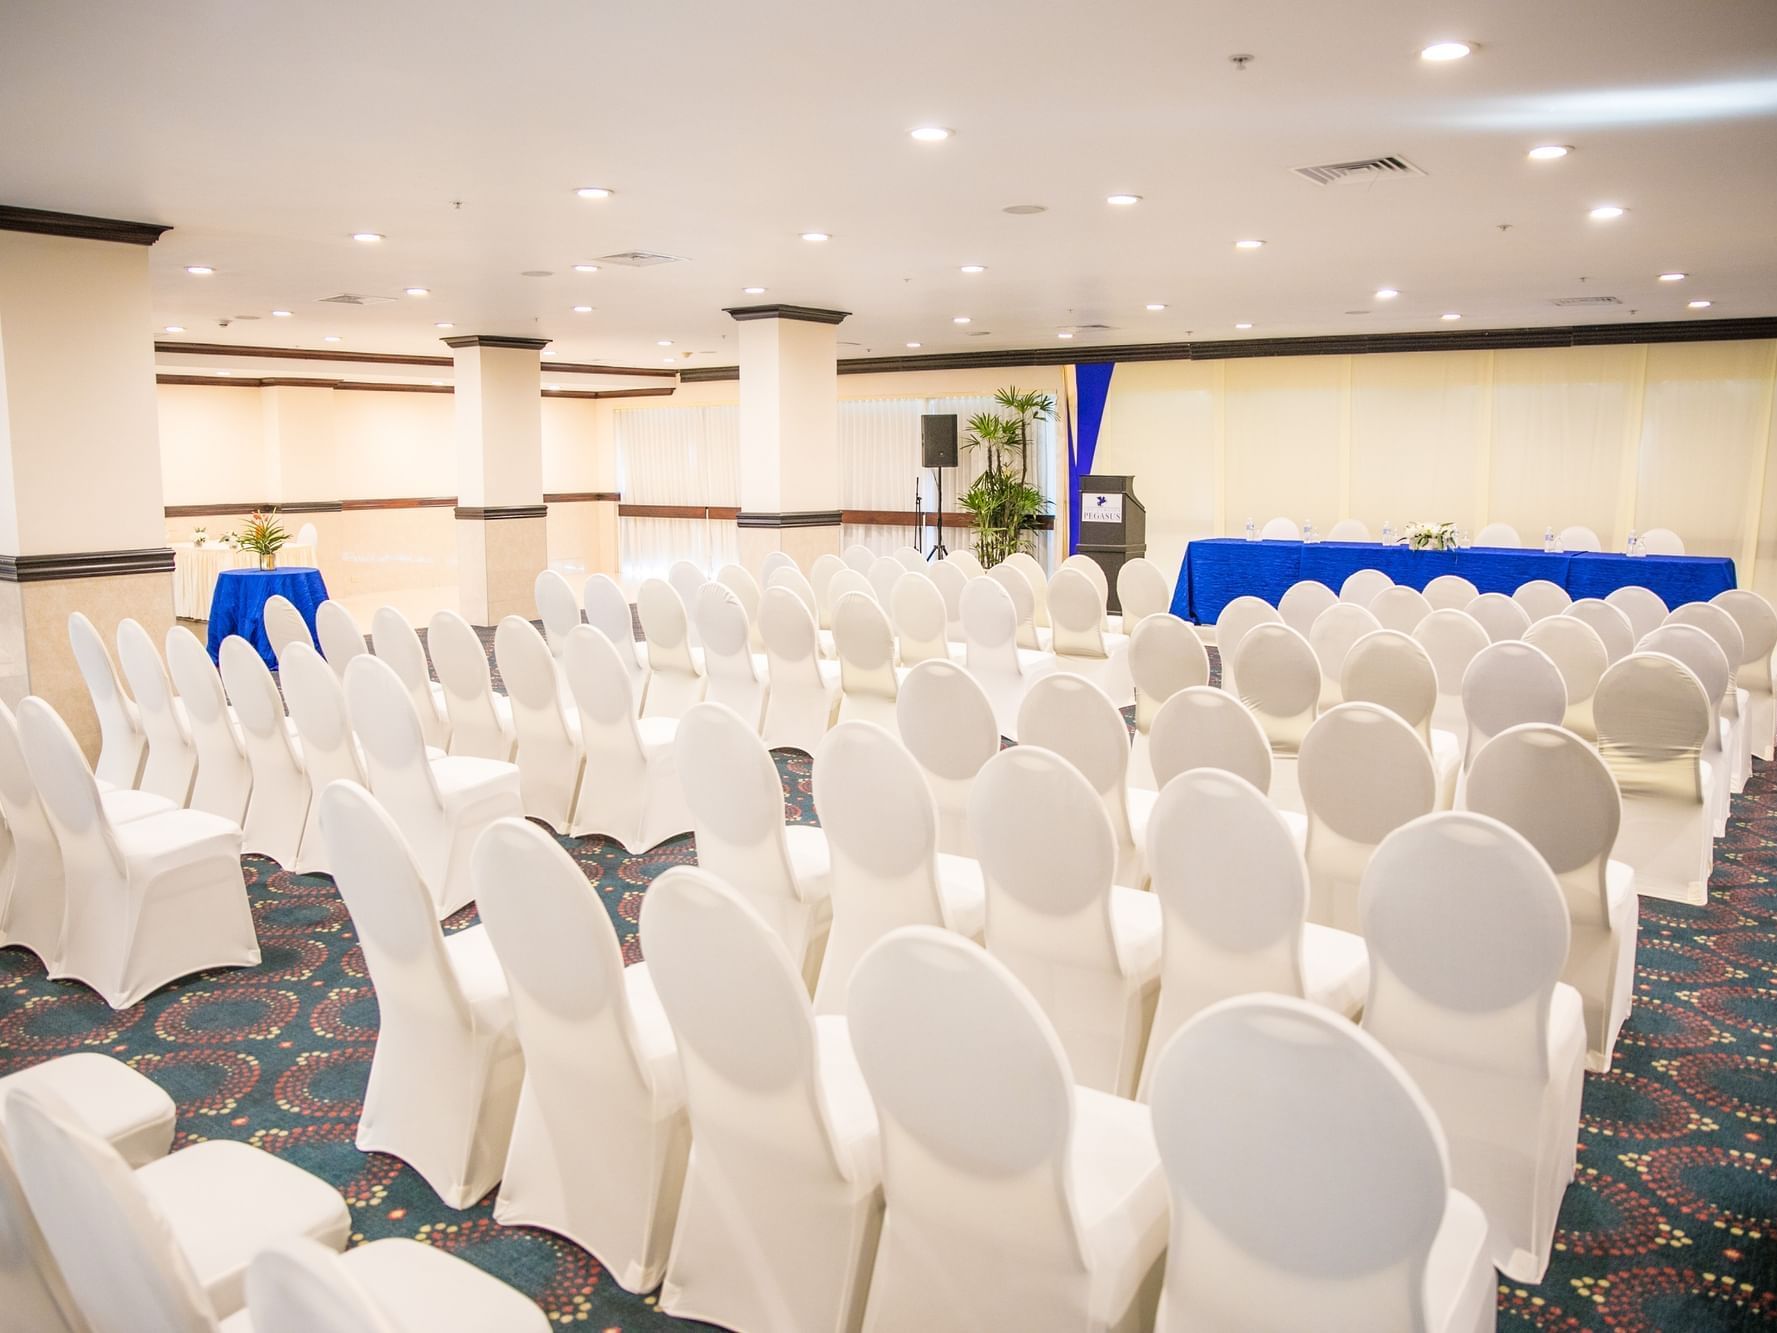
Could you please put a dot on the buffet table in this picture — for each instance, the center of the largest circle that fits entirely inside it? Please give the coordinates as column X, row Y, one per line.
column 1216, row 570
column 195, row 569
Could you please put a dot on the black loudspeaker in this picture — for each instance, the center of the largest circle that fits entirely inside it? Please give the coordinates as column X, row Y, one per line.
column 937, row 435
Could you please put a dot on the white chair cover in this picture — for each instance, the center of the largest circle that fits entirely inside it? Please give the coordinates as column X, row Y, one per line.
column 608, row 611
column 1364, row 773
column 946, row 721
column 1310, row 1183
column 909, row 557
column 557, row 608
column 1450, row 592
column 629, row 789
column 1706, row 661
column 172, row 754
column 1662, row 541
column 866, row 646
column 746, row 589
column 480, row 720
column 1024, row 604
column 549, row 755
column 1237, row 620
column 922, row 620
column 950, row 580
column 887, row 872
column 122, row 744
column 1391, row 669
column 1280, row 684
column 804, row 691
column 1331, row 637
column 1165, row 656
column 330, row 753
column 1610, row 625
column 675, row 673
column 859, row 557
column 1350, row 530
column 600, row 1138
column 440, row 805
column 445, row 1078
column 1758, row 633
column 782, row 1203
column 1201, row 727
column 1088, row 949
column 1643, row 606
column 1468, row 935
column 1451, row 639
column 820, row 578
column 687, row 580
column 1579, row 654
column 224, row 779
column 842, row 581
column 1142, row 590
column 1577, row 538
column 736, row 676
column 737, row 811
column 774, row 561
column 1016, row 1199
column 1302, row 602
column 1541, row 599
column 990, row 641
column 1552, row 787
column 341, row 639
column 1506, row 685
column 1363, row 585
column 1718, row 625
column 1095, row 575
column 278, row 805
column 788, row 576
column 883, row 576
column 308, row 535
column 1500, row 616
column 147, row 901
column 968, row 562
column 1078, row 638
column 1400, row 608
column 32, row 893
column 1498, row 534
column 1038, row 579
column 1280, row 530
column 1653, row 717
column 1233, row 893
column 284, row 625
column 396, row 644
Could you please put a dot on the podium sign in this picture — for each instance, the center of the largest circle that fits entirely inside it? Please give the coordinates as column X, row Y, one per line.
column 1101, row 508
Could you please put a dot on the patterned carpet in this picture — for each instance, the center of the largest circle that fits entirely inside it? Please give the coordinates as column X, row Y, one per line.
column 1667, row 1227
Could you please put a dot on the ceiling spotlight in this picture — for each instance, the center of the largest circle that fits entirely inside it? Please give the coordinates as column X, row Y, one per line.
column 960, row 319
column 419, row 291
column 552, row 387
column 1548, row 152
column 1605, row 212
column 280, row 314
column 1386, row 293
column 753, row 291
column 914, row 345
column 437, row 382
column 174, row 328
column 1123, row 200
column 974, row 268
column 1243, row 326
column 1064, row 334
column 1673, row 277
column 663, row 342
column 199, row 270
column 549, row 351
column 816, row 236
column 1156, row 305
column 586, row 268
column 368, row 237
column 1451, row 315
column 1439, row 52
column 930, row 134
column 330, row 338
column 582, row 310
column 444, row 324
column 593, row 192
column 1248, row 245
column 667, row 360
column 1700, row 305
column 223, row 373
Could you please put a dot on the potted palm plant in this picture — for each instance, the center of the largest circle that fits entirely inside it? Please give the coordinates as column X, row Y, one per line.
column 1001, row 500
column 264, row 536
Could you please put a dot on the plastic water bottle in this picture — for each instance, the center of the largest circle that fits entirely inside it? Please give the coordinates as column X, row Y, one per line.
column 1387, row 532
column 1252, row 531
column 1634, row 546
column 1308, row 532
column 1549, row 537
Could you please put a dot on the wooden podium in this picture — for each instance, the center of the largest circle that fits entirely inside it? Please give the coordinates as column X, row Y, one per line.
column 1113, row 526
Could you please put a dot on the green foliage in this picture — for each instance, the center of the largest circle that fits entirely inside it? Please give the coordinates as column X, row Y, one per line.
column 1004, row 504
column 263, row 533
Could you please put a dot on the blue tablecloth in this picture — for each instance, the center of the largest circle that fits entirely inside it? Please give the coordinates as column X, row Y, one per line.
column 1219, row 569
column 238, row 606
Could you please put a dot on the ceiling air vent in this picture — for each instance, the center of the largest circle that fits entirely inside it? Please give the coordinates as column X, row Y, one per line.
column 1360, row 172
column 1082, row 328
column 1585, row 300
column 638, row 259
column 357, row 298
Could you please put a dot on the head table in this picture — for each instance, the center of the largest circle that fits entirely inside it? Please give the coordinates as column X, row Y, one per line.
column 1216, row 570
column 238, row 606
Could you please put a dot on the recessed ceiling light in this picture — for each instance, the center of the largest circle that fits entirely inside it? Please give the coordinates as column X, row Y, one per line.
column 280, row 314
column 1123, row 200
column 753, row 291
column 330, row 338
column 914, row 345
column 1386, row 293
column 222, row 372
column 199, row 270
column 419, row 291
column 437, row 382
column 593, row 192
column 1672, row 277
column 582, row 310
column 669, row 361
column 1548, row 152
column 368, row 237
column 1243, row 326
column 1064, row 334
column 1605, row 212
column 663, row 342
column 1156, row 305
column 174, row 328
column 960, row 319
column 549, row 351
column 552, row 387
column 1700, row 305
column 816, row 236
column 930, row 134
column 974, row 268
column 444, row 324
column 1441, row 51
column 1451, row 315
column 1248, row 245
column 1024, row 210
column 586, row 268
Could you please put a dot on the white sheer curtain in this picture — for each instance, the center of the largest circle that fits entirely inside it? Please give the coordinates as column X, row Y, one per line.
column 676, row 456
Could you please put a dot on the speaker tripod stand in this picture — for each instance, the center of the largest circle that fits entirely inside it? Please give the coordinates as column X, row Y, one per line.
column 938, row 551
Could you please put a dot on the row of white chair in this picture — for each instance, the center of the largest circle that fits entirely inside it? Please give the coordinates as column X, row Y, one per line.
column 1578, row 537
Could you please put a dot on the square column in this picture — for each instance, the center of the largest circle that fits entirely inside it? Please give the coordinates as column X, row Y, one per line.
column 502, row 539
column 789, row 426
column 81, row 521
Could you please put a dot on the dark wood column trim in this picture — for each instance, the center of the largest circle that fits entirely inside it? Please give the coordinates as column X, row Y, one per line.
column 79, row 225
column 807, row 518
column 393, row 359
column 808, row 314
column 490, row 513
column 497, row 340
column 85, row 565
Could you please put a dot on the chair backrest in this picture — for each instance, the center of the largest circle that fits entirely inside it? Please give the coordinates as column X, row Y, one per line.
column 301, row 1286
column 284, row 624
column 1653, row 718
column 1073, row 717
column 1758, row 633
column 1662, row 541
column 1706, row 616
column 1165, row 656
column 1332, row 635
column 728, row 650
column 921, row 619
column 169, row 770
column 865, row 643
column 120, row 725
column 1362, row 585
column 1468, row 933
column 1281, row 529
column 1575, row 649
column 398, row 646
column 946, row 721
column 1451, row 639
column 883, row 576
column 1541, row 599
column 1498, row 534
column 1076, row 614
column 1500, row 616
column 1364, row 772
column 666, row 627
column 990, row 627
column 460, row 659
column 341, row 638
column 858, row 557
column 388, row 728
column 258, row 706
column 820, row 577
column 1024, row 602
column 70, row 795
column 1400, row 607
column 1034, row 574
column 1279, row 679
column 743, row 1022
column 1645, row 608
column 557, row 607
column 950, row 580
column 1350, row 530
column 308, row 535
column 1237, row 620
column 1506, row 685
column 774, row 561
column 1610, row 625
column 317, row 703
column 1450, row 592
column 1201, row 727
column 1303, row 601
column 206, row 707
column 1142, row 589
column 1391, row 669
column 121, row 1262
column 1703, row 655
column 1578, row 537
column 792, row 645
column 745, row 589
column 788, row 576
column 686, row 580
column 533, row 683
column 604, row 696
column 974, row 1093
column 968, row 562
column 909, row 557
column 607, row 610
column 1308, row 1174
column 845, row 581
column 1093, row 571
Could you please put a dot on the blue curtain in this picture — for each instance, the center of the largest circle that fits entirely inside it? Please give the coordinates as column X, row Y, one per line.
column 1092, row 385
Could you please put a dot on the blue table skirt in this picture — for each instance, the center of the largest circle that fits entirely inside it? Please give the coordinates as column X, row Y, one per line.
column 1219, row 569
column 238, row 606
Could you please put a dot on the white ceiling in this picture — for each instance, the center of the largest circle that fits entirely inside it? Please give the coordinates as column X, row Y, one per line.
column 266, row 134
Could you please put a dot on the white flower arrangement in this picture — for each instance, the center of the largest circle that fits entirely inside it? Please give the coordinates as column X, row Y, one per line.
column 1430, row 536
column 199, row 536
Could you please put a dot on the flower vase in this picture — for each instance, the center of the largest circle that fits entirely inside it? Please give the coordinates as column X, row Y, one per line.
column 268, row 560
